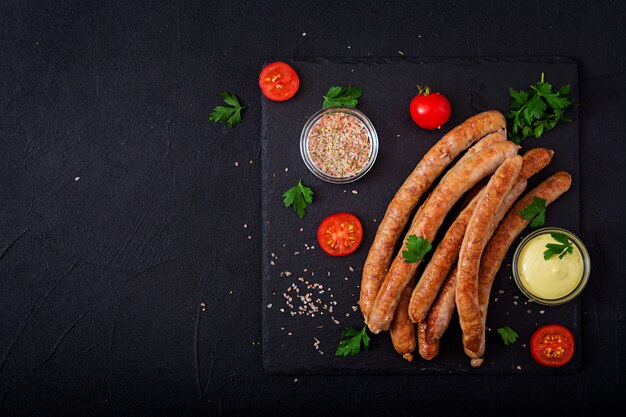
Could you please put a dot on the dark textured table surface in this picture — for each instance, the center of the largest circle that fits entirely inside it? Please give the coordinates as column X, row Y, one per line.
column 130, row 265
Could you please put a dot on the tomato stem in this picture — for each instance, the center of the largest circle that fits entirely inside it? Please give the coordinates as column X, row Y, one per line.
column 423, row 90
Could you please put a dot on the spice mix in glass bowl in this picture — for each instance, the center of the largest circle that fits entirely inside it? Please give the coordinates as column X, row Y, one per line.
column 339, row 144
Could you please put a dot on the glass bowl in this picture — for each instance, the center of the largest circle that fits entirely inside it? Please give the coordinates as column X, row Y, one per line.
column 583, row 279
column 305, row 151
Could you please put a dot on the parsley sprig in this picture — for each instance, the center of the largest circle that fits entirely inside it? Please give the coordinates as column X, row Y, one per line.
column 509, row 336
column 538, row 110
column 416, row 249
column 340, row 96
column 299, row 196
column 351, row 340
column 231, row 114
column 535, row 211
column 562, row 248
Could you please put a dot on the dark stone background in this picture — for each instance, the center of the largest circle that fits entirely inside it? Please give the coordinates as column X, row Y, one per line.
column 122, row 208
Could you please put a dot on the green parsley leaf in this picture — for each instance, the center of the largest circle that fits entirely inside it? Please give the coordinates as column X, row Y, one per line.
column 537, row 111
column 300, row 197
column 562, row 248
column 351, row 339
column 535, row 211
column 508, row 335
column 519, row 98
column 340, row 96
column 416, row 249
column 231, row 114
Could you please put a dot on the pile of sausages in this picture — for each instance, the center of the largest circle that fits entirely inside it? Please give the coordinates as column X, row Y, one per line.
column 467, row 258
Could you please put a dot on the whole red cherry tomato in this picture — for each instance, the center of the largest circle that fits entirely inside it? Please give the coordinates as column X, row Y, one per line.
column 429, row 110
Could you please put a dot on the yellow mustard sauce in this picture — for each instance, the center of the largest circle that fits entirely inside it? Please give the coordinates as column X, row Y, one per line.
column 548, row 279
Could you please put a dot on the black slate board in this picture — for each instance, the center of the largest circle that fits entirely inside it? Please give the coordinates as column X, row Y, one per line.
column 291, row 257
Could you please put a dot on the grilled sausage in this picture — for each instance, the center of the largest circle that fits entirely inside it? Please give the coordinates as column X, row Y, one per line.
column 464, row 176
column 443, row 308
column 408, row 195
column 447, row 251
column 443, row 258
column 440, row 314
column 472, row 247
column 505, row 234
column 402, row 330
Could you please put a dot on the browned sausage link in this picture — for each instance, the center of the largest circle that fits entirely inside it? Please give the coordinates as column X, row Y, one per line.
column 408, row 195
column 506, row 233
column 472, row 247
column 447, row 251
column 505, row 205
column 487, row 141
column 427, row 349
column 443, row 197
column 402, row 330
column 443, row 258
column 438, row 318
column 534, row 161
column 443, row 308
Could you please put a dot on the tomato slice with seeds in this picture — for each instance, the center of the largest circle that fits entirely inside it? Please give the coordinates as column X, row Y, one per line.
column 279, row 81
column 552, row 345
column 340, row 234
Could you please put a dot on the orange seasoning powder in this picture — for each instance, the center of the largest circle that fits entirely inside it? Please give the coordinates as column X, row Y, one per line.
column 340, row 145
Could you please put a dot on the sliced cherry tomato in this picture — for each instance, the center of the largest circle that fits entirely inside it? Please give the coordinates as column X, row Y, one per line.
column 278, row 81
column 552, row 345
column 340, row 234
column 429, row 110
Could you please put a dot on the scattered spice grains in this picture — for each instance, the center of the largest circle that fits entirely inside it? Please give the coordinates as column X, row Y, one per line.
column 316, row 345
column 340, row 145
column 304, row 298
